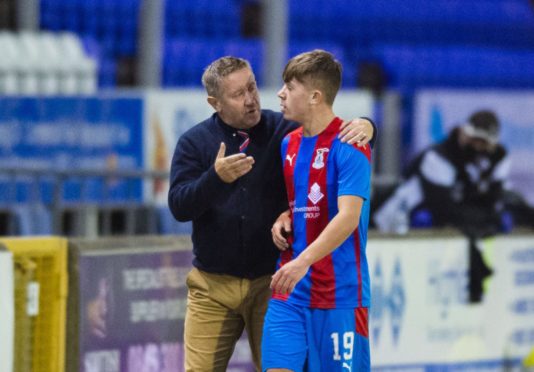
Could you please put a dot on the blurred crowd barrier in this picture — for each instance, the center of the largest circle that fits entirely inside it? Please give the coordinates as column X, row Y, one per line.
column 118, row 304
column 83, row 202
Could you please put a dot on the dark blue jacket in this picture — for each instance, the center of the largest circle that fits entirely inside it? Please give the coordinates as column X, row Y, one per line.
column 231, row 222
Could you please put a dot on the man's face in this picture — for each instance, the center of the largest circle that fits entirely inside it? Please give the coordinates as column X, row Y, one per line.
column 474, row 147
column 238, row 103
column 481, row 146
column 295, row 100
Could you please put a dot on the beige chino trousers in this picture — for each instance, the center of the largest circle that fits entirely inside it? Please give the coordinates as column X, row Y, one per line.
column 219, row 308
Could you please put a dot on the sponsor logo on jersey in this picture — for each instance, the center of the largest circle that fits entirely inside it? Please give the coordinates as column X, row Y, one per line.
column 315, row 194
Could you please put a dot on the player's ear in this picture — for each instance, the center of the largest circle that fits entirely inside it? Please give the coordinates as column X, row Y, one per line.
column 316, row 97
column 214, row 102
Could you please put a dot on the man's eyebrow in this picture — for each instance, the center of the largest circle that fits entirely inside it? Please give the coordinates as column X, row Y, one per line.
column 236, row 90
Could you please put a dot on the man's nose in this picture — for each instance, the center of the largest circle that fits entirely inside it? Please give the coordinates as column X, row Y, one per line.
column 249, row 98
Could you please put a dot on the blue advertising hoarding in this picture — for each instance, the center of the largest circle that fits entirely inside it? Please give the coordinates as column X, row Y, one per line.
column 71, row 133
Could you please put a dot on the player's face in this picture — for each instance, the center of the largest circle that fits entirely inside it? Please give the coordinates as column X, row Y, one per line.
column 295, row 100
column 239, row 103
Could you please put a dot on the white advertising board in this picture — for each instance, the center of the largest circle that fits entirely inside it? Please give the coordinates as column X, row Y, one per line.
column 7, row 311
column 437, row 111
column 420, row 316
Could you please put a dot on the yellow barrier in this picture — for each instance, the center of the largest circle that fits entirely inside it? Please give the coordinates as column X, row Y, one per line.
column 40, row 302
column 529, row 360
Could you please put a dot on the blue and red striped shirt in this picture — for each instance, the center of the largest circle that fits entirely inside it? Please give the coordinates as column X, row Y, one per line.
column 317, row 170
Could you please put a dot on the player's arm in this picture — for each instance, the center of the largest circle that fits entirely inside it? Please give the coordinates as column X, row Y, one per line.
column 335, row 233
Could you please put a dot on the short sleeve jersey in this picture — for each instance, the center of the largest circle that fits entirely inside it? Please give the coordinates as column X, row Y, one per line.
column 318, row 170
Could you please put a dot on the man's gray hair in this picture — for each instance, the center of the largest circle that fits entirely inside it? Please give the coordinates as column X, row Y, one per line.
column 220, row 68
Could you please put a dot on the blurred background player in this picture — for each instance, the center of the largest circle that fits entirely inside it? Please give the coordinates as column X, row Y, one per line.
column 317, row 319
column 226, row 177
column 462, row 183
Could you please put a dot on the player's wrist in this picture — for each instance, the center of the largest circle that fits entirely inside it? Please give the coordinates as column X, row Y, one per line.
column 305, row 259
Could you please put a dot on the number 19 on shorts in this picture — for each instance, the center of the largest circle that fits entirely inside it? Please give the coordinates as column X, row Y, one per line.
column 343, row 345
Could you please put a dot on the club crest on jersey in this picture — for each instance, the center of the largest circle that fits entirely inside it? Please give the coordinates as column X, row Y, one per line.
column 318, row 162
column 290, row 159
column 315, row 194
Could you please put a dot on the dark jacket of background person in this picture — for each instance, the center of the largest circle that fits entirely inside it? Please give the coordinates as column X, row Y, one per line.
column 231, row 221
column 474, row 201
column 458, row 182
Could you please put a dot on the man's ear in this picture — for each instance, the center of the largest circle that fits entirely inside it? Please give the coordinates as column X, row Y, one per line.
column 214, row 102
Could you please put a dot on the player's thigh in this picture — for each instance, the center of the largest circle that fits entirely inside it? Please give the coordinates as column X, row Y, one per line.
column 338, row 340
column 284, row 337
column 211, row 329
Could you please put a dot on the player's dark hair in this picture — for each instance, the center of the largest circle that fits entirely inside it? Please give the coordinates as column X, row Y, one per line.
column 317, row 68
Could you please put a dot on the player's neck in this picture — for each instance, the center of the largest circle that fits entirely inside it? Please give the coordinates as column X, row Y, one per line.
column 318, row 122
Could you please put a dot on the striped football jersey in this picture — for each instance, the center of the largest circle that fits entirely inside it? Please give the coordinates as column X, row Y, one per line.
column 317, row 170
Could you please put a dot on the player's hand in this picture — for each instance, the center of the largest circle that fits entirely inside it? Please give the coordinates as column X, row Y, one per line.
column 230, row 168
column 286, row 278
column 281, row 230
column 356, row 131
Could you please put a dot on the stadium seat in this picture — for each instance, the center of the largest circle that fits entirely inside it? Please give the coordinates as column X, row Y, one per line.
column 201, row 19
column 456, row 66
column 185, row 59
column 76, row 62
column 386, row 21
column 45, row 64
column 9, row 65
column 19, row 65
column 355, row 26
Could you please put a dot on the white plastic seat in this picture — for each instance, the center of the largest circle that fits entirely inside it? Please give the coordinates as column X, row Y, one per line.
column 36, row 49
column 75, row 60
column 12, row 67
column 45, row 63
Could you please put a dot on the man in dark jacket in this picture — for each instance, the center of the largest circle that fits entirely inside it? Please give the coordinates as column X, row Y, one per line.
column 460, row 182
